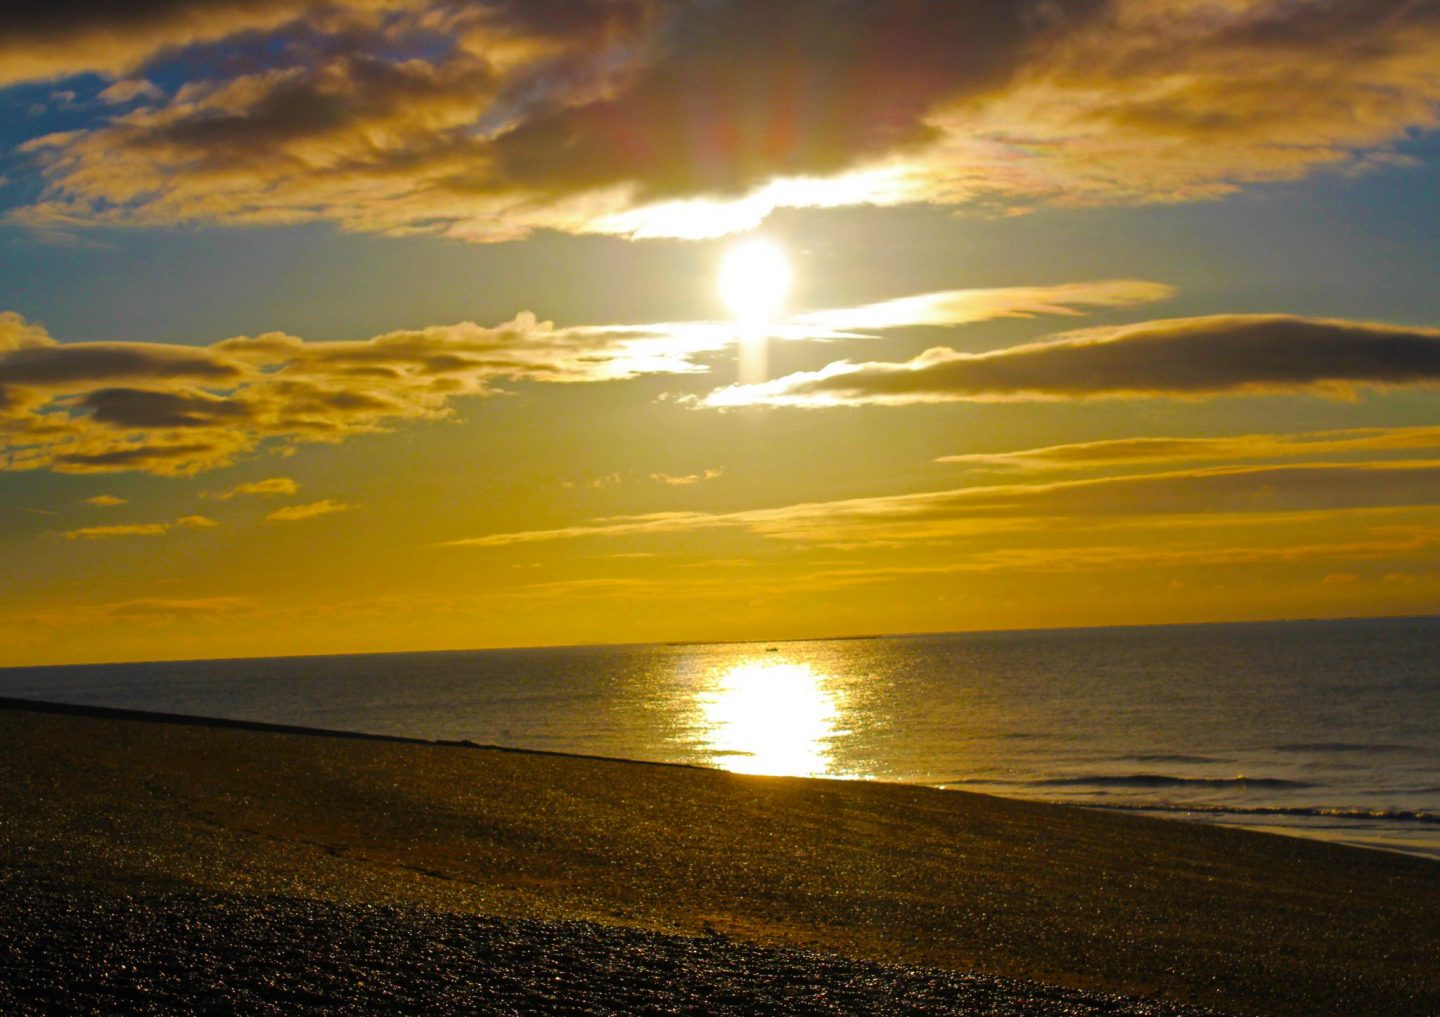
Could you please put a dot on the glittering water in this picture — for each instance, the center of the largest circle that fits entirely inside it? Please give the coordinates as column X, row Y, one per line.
column 1317, row 728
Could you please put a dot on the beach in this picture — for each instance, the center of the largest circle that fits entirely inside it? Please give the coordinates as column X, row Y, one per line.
column 155, row 864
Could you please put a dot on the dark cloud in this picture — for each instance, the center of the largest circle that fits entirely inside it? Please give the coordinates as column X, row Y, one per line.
column 339, row 100
column 39, row 20
column 40, row 40
column 1188, row 357
column 144, row 409
column 162, row 459
column 748, row 90
column 484, row 121
column 102, row 362
column 177, row 410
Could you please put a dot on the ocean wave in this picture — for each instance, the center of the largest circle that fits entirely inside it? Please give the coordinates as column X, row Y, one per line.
column 1312, row 811
column 1164, row 780
column 1166, row 757
column 1341, row 747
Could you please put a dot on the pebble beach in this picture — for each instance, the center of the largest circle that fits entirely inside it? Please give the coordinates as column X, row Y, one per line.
column 159, row 865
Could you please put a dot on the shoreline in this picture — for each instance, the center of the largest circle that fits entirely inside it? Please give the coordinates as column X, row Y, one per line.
column 878, row 873
column 1176, row 814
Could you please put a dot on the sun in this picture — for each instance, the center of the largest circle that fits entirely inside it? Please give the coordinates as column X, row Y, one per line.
column 754, row 279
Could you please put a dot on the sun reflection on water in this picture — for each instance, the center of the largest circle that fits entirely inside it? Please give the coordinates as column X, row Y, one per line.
column 770, row 717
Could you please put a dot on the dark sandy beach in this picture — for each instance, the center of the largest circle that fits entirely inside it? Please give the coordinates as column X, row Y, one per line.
column 163, row 866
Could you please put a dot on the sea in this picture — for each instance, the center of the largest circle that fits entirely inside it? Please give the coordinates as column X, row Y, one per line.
column 1325, row 729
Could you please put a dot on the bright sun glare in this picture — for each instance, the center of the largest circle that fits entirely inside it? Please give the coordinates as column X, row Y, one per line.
column 754, row 279
column 770, row 717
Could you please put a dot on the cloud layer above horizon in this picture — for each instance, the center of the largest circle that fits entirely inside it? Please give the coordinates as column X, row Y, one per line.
column 485, row 121
column 93, row 407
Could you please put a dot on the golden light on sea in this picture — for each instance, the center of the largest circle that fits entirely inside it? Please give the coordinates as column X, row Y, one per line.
column 770, row 717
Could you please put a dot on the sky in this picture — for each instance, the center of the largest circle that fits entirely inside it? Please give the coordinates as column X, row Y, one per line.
column 375, row 325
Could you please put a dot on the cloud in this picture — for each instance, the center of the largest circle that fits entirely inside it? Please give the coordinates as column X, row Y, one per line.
column 486, row 121
column 106, row 501
column 178, row 410
column 105, row 532
column 147, row 609
column 269, row 486
column 41, row 41
column 295, row 513
column 941, row 515
column 139, row 529
column 127, row 91
column 1186, row 357
column 18, row 334
column 1379, row 543
column 685, row 480
column 963, row 307
column 1137, row 451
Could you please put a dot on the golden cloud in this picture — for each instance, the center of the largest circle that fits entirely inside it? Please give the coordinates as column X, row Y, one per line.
column 656, row 117
column 268, row 486
column 139, row 529
column 940, row 515
column 1146, row 450
column 965, row 307
column 1186, row 357
column 105, row 532
column 179, row 410
column 295, row 513
column 686, row 479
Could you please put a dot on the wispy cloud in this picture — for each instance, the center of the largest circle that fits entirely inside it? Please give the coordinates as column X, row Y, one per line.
column 296, row 513
column 687, row 479
column 268, row 486
column 1372, row 543
column 1185, row 357
column 106, row 501
column 1150, row 450
column 145, row 609
column 139, row 529
column 107, row 532
column 941, row 515
column 685, row 119
column 964, row 307
column 130, row 90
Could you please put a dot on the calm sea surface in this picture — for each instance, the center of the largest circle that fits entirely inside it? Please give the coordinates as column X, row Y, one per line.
column 1325, row 729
